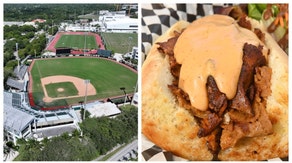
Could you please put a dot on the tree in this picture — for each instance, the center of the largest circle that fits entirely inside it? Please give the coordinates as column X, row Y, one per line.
column 8, row 55
column 10, row 45
column 87, row 114
column 27, row 28
column 11, row 64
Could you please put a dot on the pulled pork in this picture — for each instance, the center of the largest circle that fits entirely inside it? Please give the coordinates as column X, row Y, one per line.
column 247, row 116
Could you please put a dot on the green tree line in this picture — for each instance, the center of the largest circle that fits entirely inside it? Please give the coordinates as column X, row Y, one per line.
column 56, row 12
column 28, row 42
column 99, row 136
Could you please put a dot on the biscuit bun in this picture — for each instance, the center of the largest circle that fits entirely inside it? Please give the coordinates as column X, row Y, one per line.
column 175, row 129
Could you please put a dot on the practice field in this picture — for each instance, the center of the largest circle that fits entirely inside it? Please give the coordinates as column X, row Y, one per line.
column 77, row 42
column 67, row 88
column 120, row 42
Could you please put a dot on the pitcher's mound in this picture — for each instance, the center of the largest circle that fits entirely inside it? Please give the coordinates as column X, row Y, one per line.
column 60, row 89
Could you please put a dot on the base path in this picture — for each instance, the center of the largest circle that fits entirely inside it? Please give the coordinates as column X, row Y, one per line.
column 78, row 82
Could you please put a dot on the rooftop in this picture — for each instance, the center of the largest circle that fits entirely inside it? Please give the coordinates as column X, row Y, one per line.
column 16, row 120
column 103, row 109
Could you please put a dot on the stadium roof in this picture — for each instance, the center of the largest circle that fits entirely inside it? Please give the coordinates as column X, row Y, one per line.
column 54, row 119
column 53, row 131
column 20, row 72
column 15, row 120
column 103, row 109
column 15, row 83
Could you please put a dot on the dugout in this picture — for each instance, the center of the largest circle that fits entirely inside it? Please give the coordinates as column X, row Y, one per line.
column 104, row 53
column 63, row 51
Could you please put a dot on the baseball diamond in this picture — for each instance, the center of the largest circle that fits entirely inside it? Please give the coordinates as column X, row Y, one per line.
column 61, row 81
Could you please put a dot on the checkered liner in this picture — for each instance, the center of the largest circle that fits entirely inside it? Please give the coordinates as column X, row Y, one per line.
column 156, row 19
column 152, row 152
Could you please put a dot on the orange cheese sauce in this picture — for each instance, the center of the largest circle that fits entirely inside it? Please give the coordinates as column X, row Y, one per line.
column 213, row 46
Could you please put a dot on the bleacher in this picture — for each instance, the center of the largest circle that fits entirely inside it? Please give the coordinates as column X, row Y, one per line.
column 8, row 98
column 16, row 100
column 14, row 83
column 18, row 114
column 15, row 120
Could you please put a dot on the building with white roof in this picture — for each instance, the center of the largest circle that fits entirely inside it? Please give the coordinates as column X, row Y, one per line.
column 126, row 25
column 13, row 23
column 107, row 109
column 20, row 82
column 117, row 22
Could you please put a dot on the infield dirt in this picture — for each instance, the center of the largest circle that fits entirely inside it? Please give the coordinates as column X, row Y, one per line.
column 78, row 82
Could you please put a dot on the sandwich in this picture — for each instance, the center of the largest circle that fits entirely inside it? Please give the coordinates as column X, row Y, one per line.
column 217, row 89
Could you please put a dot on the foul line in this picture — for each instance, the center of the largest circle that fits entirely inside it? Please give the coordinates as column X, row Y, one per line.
column 39, row 70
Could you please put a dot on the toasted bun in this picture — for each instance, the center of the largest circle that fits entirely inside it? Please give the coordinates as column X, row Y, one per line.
column 174, row 129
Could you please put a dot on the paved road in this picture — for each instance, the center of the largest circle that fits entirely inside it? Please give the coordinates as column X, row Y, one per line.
column 123, row 152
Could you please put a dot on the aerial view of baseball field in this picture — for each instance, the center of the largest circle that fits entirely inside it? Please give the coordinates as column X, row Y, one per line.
column 66, row 81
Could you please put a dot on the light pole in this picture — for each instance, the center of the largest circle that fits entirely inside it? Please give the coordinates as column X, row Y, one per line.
column 123, row 89
column 84, row 44
column 87, row 81
column 129, row 43
column 52, row 27
column 17, row 56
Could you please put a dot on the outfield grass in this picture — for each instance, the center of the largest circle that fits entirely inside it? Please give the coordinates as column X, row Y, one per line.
column 106, row 76
column 69, row 89
column 77, row 41
column 120, row 42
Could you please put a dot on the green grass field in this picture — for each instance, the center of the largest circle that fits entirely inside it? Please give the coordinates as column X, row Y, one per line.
column 106, row 76
column 69, row 89
column 77, row 42
column 120, row 42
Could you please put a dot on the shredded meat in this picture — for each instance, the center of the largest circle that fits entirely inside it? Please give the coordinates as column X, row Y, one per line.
column 167, row 48
column 243, row 22
column 217, row 105
column 248, row 117
column 283, row 42
column 244, row 126
column 252, row 58
column 233, row 11
column 217, row 100
column 213, row 142
column 259, row 34
column 184, row 101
